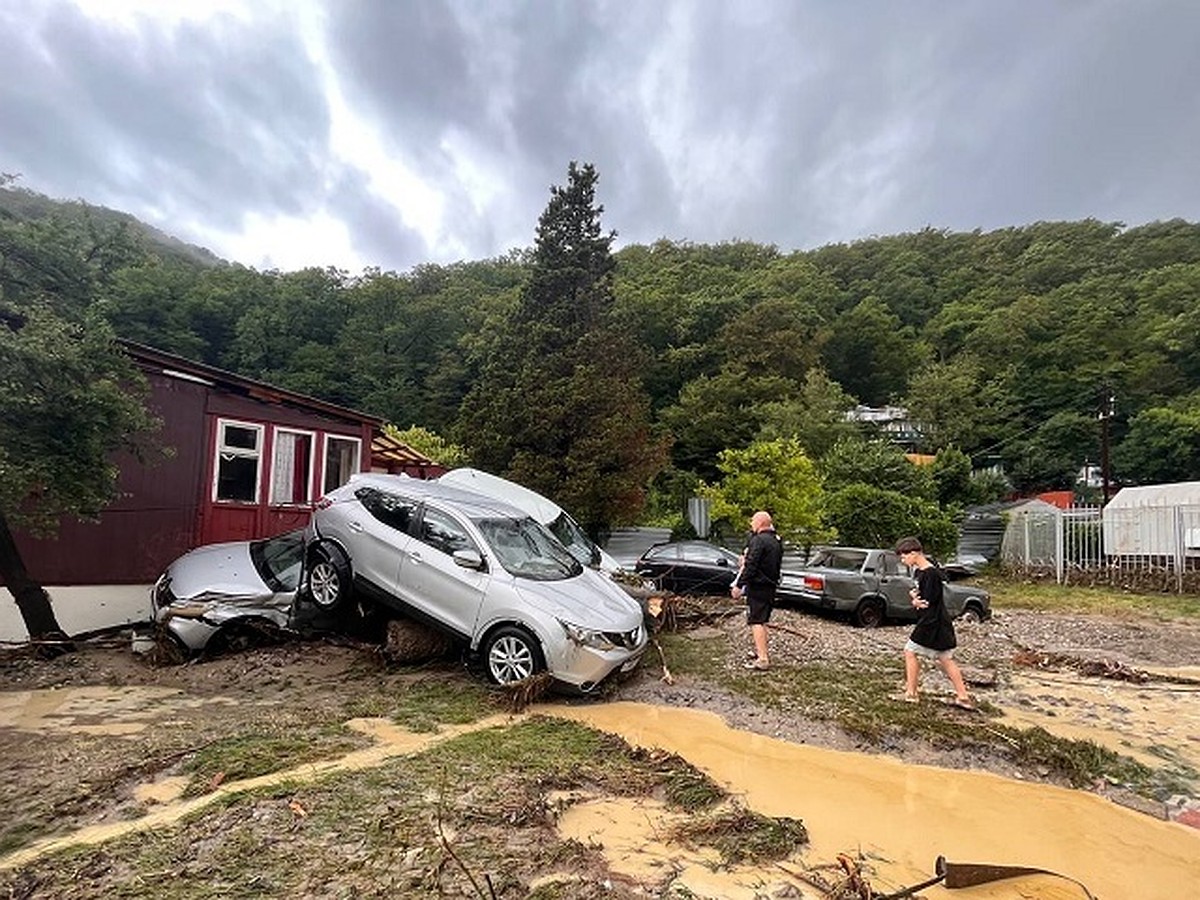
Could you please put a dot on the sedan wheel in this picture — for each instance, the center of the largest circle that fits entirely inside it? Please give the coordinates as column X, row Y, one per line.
column 972, row 614
column 328, row 583
column 512, row 655
column 869, row 614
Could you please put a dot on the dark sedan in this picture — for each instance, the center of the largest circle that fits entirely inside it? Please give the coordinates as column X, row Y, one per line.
column 689, row 567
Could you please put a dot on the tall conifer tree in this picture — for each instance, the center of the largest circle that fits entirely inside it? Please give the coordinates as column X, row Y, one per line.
column 559, row 406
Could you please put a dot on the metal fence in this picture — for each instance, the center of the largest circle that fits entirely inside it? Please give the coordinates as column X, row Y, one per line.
column 1144, row 548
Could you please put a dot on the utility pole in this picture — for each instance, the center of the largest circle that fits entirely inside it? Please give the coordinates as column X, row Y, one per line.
column 1108, row 405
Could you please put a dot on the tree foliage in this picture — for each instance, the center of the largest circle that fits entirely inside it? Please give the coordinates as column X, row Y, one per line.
column 569, row 366
column 864, row 515
column 69, row 398
column 776, row 476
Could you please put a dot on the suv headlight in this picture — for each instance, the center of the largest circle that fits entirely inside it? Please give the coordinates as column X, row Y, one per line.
column 587, row 637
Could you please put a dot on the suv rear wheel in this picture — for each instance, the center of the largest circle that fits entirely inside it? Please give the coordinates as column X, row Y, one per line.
column 512, row 654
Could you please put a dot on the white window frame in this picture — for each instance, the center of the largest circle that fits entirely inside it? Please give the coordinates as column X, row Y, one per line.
column 257, row 454
column 329, row 438
column 306, row 500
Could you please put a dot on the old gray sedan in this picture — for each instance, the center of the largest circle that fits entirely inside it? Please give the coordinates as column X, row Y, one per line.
column 871, row 585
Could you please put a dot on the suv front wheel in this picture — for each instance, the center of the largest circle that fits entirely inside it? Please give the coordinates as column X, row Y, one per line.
column 329, row 584
column 512, row 654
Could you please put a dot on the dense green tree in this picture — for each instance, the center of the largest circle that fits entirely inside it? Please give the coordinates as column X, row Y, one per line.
column 871, row 354
column 717, row 413
column 815, row 416
column 957, row 403
column 69, row 398
column 1162, row 446
column 878, row 463
column 868, row 516
column 558, row 405
column 1049, row 458
column 951, row 471
column 776, row 476
column 430, row 443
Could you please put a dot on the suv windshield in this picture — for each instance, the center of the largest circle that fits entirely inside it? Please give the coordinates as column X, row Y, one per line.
column 528, row 550
column 578, row 544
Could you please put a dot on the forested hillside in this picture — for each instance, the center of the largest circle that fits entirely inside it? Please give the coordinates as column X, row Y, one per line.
column 1003, row 344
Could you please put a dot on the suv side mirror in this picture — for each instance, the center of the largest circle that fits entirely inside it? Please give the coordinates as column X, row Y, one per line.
column 468, row 559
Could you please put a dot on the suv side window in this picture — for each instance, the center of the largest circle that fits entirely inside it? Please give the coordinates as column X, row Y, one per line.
column 393, row 511
column 444, row 533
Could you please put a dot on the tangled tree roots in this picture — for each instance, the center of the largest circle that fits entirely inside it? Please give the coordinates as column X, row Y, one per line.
column 519, row 695
column 409, row 642
column 1097, row 668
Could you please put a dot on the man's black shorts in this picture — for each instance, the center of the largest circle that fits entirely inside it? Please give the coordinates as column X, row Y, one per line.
column 758, row 608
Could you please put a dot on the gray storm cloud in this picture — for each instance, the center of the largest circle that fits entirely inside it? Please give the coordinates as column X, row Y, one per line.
column 788, row 123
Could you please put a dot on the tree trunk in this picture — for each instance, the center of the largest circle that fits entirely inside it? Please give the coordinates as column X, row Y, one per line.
column 32, row 599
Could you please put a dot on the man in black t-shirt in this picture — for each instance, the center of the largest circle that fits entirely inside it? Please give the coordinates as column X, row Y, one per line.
column 757, row 580
column 933, row 637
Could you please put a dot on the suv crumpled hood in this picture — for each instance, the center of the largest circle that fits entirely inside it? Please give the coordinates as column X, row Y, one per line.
column 590, row 600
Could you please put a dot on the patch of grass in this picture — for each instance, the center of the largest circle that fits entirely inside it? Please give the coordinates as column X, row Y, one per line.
column 251, row 754
column 1012, row 593
column 424, row 704
column 743, row 836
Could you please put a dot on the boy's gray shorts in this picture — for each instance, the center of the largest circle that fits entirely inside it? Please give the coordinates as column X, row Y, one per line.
column 914, row 647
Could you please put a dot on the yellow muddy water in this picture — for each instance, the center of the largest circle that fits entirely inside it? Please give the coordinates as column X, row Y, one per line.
column 901, row 817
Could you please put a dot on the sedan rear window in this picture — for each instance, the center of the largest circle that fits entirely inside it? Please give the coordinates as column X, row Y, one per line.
column 277, row 560
column 527, row 549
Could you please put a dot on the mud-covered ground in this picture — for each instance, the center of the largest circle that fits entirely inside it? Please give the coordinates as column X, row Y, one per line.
column 1122, row 682
column 1005, row 660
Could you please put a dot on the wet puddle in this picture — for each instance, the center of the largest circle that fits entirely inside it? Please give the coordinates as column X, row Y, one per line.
column 901, row 817
column 1152, row 723
column 112, row 711
column 896, row 818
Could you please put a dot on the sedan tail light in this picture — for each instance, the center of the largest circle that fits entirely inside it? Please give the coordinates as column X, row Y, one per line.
column 323, row 503
column 814, row 582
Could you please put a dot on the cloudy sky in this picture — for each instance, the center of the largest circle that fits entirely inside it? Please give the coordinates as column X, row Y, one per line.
column 288, row 133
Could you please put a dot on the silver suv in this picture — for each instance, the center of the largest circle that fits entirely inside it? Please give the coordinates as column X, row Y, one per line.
column 477, row 568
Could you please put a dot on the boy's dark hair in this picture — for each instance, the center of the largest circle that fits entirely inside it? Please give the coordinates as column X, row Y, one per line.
column 908, row 545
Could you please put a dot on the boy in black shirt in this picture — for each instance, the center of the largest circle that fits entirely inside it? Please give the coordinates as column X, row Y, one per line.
column 933, row 637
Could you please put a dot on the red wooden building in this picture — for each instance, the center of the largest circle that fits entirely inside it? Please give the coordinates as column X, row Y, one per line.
column 247, row 461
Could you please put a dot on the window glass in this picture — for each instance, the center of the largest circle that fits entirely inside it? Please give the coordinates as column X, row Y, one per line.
column 242, row 437
column 666, row 552
column 528, row 550
column 849, row 560
column 575, row 539
column 277, row 560
column 700, row 554
column 291, row 468
column 393, row 511
column 342, row 456
column 237, row 463
column 443, row 532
